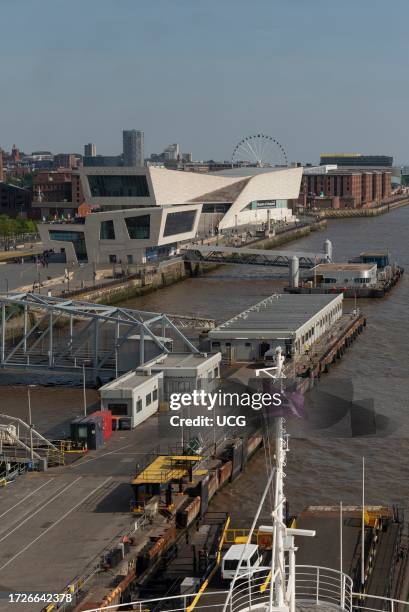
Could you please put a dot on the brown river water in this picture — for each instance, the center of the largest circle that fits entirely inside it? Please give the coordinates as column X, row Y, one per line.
column 324, row 463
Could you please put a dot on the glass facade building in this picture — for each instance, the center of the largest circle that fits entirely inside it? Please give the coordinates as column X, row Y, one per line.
column 118, row 186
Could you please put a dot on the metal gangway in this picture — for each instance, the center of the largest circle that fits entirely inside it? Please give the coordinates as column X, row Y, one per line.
column 256, row 257
column 54, row 333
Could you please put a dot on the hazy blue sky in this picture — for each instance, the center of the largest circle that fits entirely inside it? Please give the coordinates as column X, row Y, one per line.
column 320, row 75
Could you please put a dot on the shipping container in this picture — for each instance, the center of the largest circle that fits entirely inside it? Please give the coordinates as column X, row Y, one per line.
column 188, row 513
column 225, row 473
column 213, row 484
column 244, row 454
column 237, row 453
column 253, row 443
column 204, row 495
column 107, row 422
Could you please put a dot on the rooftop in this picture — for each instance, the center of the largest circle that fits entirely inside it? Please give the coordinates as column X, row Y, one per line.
column 180, row 360
column 130, row 380
column 282, row 312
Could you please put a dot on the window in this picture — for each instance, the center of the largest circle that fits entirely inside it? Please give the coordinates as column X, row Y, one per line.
column 139, row 405
column 82, row 432
column 129, row 259
column 179, row 222
column 148, row 399
column 215, row 344
column 118, row 409
column 107, row 231
column 112, row 259
column 138, row 227
column 118, row 186
column 77, row 239
column 155, row 395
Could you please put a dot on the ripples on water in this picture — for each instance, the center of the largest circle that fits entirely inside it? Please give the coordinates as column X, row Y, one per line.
column 323, row 468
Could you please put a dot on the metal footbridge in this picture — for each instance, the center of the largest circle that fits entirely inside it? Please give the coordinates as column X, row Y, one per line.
column 255, row 257
column 67, row 335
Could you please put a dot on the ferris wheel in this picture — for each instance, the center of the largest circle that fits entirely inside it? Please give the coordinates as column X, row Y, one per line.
column 259, row 150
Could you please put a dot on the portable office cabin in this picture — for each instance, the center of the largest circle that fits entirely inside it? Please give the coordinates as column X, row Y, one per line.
column 133, row 397
column 187, row 372
column 88, row 430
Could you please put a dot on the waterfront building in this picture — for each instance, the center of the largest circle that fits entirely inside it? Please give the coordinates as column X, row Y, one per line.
column 356, row 160
column 172, row 206
column 65, row 160
column 57, row 193
column 90, row 150
column 293, row 322
column 15, row 201
column 344, row 275
column 331, row 187
column 135, row 236
column 133, row 148
column 234, row 198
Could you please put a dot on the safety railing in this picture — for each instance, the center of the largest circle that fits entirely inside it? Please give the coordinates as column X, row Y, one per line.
column 369, row 603
column 321, row 586
column 317, row 585
column 176, row 603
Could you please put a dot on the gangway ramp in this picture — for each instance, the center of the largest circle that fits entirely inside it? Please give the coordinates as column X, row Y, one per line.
column 255, row 257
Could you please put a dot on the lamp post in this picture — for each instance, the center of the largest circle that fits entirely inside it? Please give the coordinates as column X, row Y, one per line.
column 84, row 389
column 29, row 387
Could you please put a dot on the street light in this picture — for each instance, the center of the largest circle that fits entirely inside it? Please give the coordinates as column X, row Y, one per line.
column 29, row 387
column 84, row 389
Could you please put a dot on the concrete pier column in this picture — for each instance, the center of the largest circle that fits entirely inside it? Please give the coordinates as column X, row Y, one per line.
column 328, row 249
column 294, row 276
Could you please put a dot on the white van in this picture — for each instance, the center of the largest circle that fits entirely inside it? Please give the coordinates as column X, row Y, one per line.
column 251, row 560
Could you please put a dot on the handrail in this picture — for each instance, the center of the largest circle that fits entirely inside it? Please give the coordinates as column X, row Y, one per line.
column 342, row 594
column 390, row 600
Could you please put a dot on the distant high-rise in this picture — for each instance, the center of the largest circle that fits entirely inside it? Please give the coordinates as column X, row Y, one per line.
column 90, row 150
column 133, row 148
column 1, row 164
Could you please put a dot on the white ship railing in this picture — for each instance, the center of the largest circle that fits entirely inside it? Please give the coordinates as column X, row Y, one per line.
column 374, row 603
column 317, row 585
column 313, row 585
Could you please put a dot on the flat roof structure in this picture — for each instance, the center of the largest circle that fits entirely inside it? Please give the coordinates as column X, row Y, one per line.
column 129, row 381
column 278, row 315
column 182, row 361
column 166, row 468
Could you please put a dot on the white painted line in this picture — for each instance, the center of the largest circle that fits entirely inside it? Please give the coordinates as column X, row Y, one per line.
column 26, row 497
column 41, row 508
column 64, row 516
column 74, row 465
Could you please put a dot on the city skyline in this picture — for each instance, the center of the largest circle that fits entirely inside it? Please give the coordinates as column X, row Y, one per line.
column 285, row 69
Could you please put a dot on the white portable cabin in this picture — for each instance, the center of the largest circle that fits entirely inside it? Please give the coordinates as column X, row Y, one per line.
column 133, row 397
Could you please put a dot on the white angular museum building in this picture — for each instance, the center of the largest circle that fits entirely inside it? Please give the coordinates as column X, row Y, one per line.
column 142, row 214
